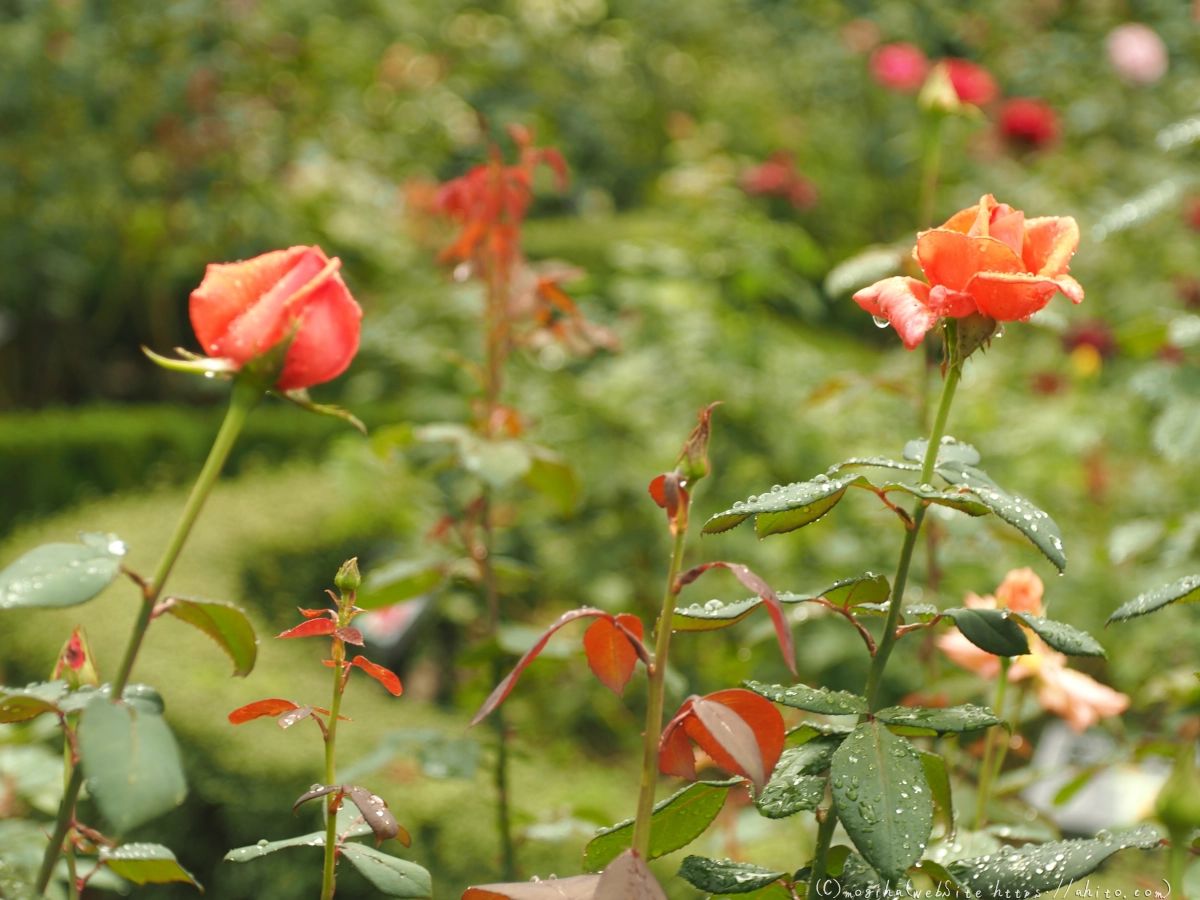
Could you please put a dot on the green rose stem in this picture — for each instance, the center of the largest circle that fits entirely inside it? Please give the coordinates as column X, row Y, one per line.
column 654, row 701
column 500, row 775
column 988, row 770
column 335, row 705
column 931, row 170
column 246, row 394
column 821, row 853
column 953, row 374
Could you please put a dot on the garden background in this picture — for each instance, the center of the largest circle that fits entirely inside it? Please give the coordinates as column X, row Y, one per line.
column 141, row 141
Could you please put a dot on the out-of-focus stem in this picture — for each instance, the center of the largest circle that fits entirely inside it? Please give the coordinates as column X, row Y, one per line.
column 654, row 702
column 328, row 874
column 987, row 770
column 931, row 170
column 245, row 397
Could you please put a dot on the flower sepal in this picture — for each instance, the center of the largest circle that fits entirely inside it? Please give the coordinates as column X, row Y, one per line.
column 974, row 331
column 193, row 363
column 301, row 399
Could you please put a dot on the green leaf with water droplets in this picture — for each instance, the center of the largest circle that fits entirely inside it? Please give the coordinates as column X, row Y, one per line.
column 967, row 717
column 390, row 875
column 874, row 462
column 1062, row 637
column 62, row 574
column 926, row 612
column 992, row 630
column 786, row 796
column 263, row 848
column 949, row 450
column 779, row 511
column 818, row 700
column 724, row 876
column 865, row 588
column 225, row 624
column 963, row 501
column 1185, row 590
column 146, row 864
column 882, row 798
column 131, row 762
column 1036, row 868
column 939, row 786
column 676, row 822
column 1013, row 509
column 811, row 731
column 716, row 614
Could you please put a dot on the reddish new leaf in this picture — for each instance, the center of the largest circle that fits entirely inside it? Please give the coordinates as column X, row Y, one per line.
column 313, row 613
column 762, row 716
column 350, row 635
column 376, row 814
column 666, row 491
column 504, row 688
column 311, row 628
column 749, row 580
column 727, row 738
column 288, row 719
column 628, row 878
column 318, row 790
column 386, row 677
column 260, row 708
column 610, row 652
column 577, row 887
column 675, row 756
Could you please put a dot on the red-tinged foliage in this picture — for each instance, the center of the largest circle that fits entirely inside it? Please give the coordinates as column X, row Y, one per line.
column 386, row 677
column 350, row 635
column 741, row 731
column 751, row 581
column 504, row 688
column 611, row 653
column 313, row 613
column 260, row 708
column 311, row 628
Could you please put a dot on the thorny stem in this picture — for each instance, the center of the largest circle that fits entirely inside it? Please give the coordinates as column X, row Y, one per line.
column 654, row 701
column 821, row 854
column 245, row 396
column 953, row 374
column 72, row 875
column 988, row 771
column 328, row 874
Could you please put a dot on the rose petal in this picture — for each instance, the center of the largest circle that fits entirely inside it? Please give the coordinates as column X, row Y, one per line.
column 904, row 302
column 228, row 289
column 327, row 338
column 945, row 302
column 264, row 323
column 1008, row 227
column 951, row 258
column 1050, row 242
column 1009, row 297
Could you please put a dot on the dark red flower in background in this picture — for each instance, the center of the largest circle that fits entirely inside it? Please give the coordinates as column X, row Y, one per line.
column 972, row 82
column 777, row 177
column 1028, row 123
column 899, row 67
column 1094, row 333
column 242, row 310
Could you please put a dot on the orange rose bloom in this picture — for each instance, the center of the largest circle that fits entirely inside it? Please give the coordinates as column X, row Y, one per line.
column 988, row 259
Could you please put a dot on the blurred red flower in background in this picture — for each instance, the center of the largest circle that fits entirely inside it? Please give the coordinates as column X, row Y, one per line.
column 900, row 67
column 1028, row 123
column 972, row 82
column 243, row 310
column 777, row 177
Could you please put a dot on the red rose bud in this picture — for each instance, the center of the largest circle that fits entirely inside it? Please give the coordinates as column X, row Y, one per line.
column 972, row 82
column 1029, row 123
column 243, row 310
column 76, row 665
column 899, row 67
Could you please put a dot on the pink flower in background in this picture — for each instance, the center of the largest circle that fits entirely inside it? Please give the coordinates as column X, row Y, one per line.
column 1137, row 53
column 777, row 177
column 972, row 82
column 900, row 67
column 1029, row 123
column 1073, row 696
